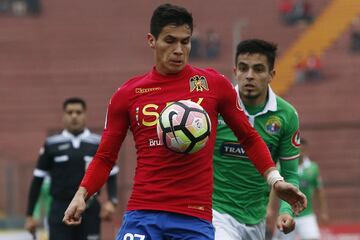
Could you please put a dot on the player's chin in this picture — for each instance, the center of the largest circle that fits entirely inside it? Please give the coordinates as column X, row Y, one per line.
column 175, row 68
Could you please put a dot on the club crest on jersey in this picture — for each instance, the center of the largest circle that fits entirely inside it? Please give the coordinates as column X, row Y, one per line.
column 295, row 140
column 273, row 125
column 198, row 83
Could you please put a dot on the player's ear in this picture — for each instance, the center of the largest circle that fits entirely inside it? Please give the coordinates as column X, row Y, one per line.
column 234, row 70
column 272, row 74
column 151, row 40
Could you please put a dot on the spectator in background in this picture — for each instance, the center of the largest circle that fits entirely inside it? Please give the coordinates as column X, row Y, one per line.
column 65, row 157
column 292, row 13
column 311, row 185
column 313, row 67
column 286, row 10
column 355, row 35
column 302, row 11
column 212, row 44
column 33, row 7
column 300, row 65
column 196, row 45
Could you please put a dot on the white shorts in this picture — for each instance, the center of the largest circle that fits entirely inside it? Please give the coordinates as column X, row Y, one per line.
column 305, row 227
column 228, row 228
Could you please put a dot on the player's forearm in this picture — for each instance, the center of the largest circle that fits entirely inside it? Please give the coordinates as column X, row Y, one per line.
column 103, row 161
column 95, row 176
column 82, row 193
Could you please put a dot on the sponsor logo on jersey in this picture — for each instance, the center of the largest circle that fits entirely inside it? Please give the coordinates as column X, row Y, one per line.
column 273, row 125
column 146, row 90
column 154, row 142
column 148, row 115
column 234, row 149
column 295, row 140
column 198, row 83
column 221, row 122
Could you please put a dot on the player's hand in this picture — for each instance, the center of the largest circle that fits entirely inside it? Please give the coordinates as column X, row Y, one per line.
column 285, row 223
column 30, row 224
column 292, row 195
column 77, row 206
column 107, row 211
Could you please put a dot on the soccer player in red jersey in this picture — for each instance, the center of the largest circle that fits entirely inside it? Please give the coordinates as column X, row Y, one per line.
column 172, row 192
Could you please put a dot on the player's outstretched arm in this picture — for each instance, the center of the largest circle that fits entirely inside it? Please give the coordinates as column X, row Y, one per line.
column 290, row 194
column 77, row 206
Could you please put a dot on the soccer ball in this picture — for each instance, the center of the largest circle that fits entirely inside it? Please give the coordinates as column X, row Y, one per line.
column 184, row 127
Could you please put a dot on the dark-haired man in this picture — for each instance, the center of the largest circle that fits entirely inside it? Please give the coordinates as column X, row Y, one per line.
column 240, row 193
column 65, row 157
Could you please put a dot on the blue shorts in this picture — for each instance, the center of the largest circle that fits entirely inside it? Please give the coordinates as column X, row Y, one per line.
column 160, row 225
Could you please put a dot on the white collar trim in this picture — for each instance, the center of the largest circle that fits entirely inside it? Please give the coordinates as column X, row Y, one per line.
column 76, row 140
column 271, row 104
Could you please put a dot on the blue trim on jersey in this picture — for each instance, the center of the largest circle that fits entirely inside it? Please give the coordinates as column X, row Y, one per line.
column 160, row 225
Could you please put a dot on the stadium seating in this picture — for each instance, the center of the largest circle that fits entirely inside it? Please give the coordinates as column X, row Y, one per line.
column 88, row 48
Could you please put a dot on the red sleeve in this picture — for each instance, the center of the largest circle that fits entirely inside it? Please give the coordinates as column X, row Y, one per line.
column 236, row 119
column 116, row 125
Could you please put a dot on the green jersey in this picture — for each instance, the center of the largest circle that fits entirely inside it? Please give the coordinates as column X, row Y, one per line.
column 42, row 206
column 310, row 180
column 239, row 189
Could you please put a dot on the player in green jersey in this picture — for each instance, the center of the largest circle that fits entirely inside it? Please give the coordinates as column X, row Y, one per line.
column 311, row 185
column 42, row 208
column 241, row 194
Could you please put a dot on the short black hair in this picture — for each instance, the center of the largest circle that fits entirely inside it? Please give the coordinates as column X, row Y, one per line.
column 168, row 14
column 74, row 100
column 252, row 46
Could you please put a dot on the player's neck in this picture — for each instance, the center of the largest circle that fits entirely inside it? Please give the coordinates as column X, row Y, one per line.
column 255, row 102
column 76, row 132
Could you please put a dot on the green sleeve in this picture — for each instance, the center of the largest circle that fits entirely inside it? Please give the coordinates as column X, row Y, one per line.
column 289, row 156
column 289, row 170
column 37, row 209
column 317, row 179
column 42, row 206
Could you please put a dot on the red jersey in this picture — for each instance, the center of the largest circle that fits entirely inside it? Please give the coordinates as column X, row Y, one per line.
column 165, row 180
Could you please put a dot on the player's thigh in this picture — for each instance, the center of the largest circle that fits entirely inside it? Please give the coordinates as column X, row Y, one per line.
column 254, row 231
column 184, row 227
column 140, row 225
column 307, row 227
column 226, row 227
column 57, row 229
column 90, row 226
column 278, row 235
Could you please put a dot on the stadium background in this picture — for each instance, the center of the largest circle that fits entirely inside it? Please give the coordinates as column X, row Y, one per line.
column 88, row 48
